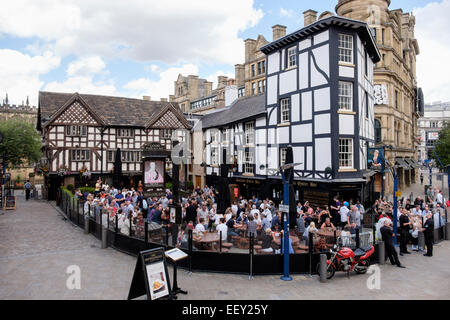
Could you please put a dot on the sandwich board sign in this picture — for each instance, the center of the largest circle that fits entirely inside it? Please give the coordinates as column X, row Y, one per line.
column 151, row 276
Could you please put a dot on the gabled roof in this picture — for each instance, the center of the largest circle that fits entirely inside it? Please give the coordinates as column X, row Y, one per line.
column 110, row 111
column 241, row 110
column 359, row 26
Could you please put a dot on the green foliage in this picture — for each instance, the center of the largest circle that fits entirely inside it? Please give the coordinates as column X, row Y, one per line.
column 70, row 187
column 21, row 143
column 169, row 186
column 18, row 178
column 442, row 146
column 189, row 185
column 88, row 189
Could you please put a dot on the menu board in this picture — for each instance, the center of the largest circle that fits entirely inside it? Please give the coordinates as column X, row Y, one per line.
column 151, row 276
column 175, row 254
column 10, row 203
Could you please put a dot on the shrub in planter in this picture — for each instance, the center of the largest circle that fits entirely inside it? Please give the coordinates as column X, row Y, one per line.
column 169, row 186
column 70, row 187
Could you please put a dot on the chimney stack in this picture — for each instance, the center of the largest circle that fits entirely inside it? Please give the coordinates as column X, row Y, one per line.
column 147, row 98
column 278, row 31
column 163, row 99
column 310, row 16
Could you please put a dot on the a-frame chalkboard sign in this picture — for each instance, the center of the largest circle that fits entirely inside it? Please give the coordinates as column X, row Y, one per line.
column 151, row 276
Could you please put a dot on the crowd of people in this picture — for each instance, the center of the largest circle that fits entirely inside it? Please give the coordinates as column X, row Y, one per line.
column 261, row 218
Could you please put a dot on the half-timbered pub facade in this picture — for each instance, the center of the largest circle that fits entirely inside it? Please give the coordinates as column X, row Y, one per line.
column 82, row 132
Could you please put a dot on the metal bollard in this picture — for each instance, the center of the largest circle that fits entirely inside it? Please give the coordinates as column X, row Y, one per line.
column 104, row 237
column 447, row 230
column 86, row 224
column 323, row 268
column 421, row 241
column 381, row 252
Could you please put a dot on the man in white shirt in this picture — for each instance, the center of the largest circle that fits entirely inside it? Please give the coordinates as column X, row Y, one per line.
column 234, row 208
column 268, row 213
column 416, row 210
column 343, row 212
column 200, row 227
column 222, row 227
column 254, row 210
column 439, row 198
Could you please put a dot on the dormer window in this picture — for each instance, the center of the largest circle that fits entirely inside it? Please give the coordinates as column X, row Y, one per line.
column 76, row 131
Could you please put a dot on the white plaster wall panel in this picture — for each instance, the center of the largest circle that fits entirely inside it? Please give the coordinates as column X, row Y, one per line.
column 306, row 106
column 91, row 129
column 283, row 63
column 309, row 158
column 346, row 124
column 302, row 133
column 110, row 166
column 272, row 157
column 273, row 113
column 321, row 37
column 138, row 167
column 112, row 145
column 322, row 99
column 240, row 160
column 304, row 44
column 90, row 144
column 132, row 167
column 323, row 154
column 60, row 136
column 322, row 124
column 348, row 72
column 208, row 154
column 261, row 159
column 104, row 159
column 73, row 167
column 60, row 129
column 261, row 122
column 60, row 144
column 283, row 135
column 303, row 70
column 271, row 138
column 299, row 157
column 273, row 63
column 288, row 81
column 66, row 153
column 295, row 107
column 322, row 56
column 260, row 136
column 52, row 136
column 272, row 90
column 208, row 170
column 68, row 144
column 317, row 77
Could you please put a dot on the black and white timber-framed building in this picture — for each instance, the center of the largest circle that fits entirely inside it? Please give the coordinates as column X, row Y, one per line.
column 84, row 131
column 319, row 100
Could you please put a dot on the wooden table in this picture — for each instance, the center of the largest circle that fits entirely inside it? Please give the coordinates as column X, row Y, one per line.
column 294, row 239
column 207, row 240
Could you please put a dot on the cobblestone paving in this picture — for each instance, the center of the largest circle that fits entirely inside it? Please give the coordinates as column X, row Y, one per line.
column 37, row 246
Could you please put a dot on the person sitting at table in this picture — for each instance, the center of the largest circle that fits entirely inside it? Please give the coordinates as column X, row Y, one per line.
column 310, row 229
column 251, row 226
column 265, row 222
column 242, row 219
column 323, row 216
column 300, row 224
column 267, row 238
column 231, row 226
column 222, row 227
column 276, row 221
column 200, row 226
column 327, row 225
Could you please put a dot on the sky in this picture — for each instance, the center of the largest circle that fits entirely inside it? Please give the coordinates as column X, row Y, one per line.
column 138, row 47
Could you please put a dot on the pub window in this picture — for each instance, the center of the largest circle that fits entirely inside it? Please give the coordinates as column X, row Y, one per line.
column 131, row 156
column 111, row 156
column 263, row 68
column 249, row 133
column 283, row 152
column 285, row 110
column 253, row 70
column 248, row 162
column 377, row 128
column 345, row 153
column 165, row 133
column 125, row 133
column 260, row 86
column 345, row 48
column 259, row 68
column 253, row 88
column 366, row 102
column 76, row 130
column 81, row 155
column 214, row 156
column 225, row 135
column 292, row 57
column 345, row 98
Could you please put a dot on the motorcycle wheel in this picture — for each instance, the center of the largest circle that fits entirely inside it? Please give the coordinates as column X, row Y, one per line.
column 330, row 271
column 361, row 268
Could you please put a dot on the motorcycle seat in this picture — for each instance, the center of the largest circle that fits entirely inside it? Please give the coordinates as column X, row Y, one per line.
column 359, row 252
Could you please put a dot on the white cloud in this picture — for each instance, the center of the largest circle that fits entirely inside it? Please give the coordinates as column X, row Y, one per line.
column 288, row 13
column 161, row 88
column 82, row 84
column 20, row 74
column 213, row 78
column 433, row 68
column 85, row 66
column 168, row 31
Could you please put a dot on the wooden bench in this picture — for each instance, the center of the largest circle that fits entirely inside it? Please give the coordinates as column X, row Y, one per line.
column 257, row 248
column 226, row 245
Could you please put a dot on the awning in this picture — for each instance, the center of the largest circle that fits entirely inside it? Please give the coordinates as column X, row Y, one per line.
column 399, row 162
column 412, row 163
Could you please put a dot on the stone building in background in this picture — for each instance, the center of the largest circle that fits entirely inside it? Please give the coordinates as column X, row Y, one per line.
column 28, row 114
column 396, row 93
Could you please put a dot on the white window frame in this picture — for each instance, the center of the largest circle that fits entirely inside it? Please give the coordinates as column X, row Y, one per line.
column 125, row 133
column 248, row 162
column 345, row 46
column 283, row 154
column 249, row 133
column 80, row 155
column 346, row 153
column 214, row 156
column 345, row 95
column 285, row 110
column 76, row 131
column 292, row 57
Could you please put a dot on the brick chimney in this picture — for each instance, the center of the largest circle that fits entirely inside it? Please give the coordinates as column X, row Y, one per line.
column 147, row 98
column 310, row 16
column 278, row 31
column 163, row 99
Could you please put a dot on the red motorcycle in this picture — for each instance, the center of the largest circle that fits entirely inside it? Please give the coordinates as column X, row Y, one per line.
column 347, row 260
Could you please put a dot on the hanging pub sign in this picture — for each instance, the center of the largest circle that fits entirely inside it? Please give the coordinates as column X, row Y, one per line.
column 154, row 173
column 154, row 159
column 151, row 276
column 375, row 158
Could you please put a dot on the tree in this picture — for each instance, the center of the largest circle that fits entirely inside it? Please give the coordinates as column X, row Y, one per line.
column 442, row 146
column 20, row 144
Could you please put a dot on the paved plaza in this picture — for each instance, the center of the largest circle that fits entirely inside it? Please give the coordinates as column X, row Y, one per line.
column 37, row 246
